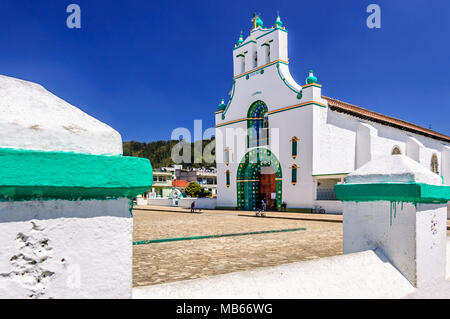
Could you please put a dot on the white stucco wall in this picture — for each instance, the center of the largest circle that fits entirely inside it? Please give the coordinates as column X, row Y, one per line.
column 66, row 249
column 33, row 118
column 367, row 226
column 343, row 141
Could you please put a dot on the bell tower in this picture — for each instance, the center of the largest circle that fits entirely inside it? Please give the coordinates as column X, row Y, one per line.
column 262, row 46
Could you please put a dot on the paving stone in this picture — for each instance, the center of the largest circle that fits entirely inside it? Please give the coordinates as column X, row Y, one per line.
column 182, row 260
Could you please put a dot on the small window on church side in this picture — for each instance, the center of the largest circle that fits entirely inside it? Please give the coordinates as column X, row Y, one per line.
column 294, row 174
column 227, row 156
column 294, row 142
column 228, row 178
column 255, row 64
column 396, row 151
column 434, row 164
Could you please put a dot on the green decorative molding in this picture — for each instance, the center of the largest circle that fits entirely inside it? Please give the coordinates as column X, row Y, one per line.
column 229, row 102
column 395, row 192
column 299, row 93
column 275, row 29
column 260, row 68
column 240, row 46
column 28, row 175
column 295, row 106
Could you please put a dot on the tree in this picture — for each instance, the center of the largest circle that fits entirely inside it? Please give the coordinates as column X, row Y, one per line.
column 195, row 190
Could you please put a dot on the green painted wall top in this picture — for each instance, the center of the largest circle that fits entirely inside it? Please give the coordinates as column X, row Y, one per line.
column 26, row 175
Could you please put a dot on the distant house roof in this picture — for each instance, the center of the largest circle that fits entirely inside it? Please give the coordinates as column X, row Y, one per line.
column 362, row 113
column 180, row 183
column 161, row 173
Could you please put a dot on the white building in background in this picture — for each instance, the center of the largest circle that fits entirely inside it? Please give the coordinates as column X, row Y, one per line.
column 290, row 144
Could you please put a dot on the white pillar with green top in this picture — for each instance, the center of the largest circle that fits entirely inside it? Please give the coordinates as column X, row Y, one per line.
column 66, row 196
column 395, row 204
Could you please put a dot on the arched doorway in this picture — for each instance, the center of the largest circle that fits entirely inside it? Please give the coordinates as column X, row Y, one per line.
column 259, row 176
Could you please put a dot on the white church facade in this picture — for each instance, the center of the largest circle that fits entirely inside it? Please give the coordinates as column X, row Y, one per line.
column 289, row 144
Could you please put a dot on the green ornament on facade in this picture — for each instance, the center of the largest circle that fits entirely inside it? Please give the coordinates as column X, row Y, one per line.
column 221, row 105
column 278, row 22
column 241, row 39
column 259, row 23
column 311, row 78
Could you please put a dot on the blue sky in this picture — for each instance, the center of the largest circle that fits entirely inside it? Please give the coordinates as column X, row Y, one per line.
column 147, row 67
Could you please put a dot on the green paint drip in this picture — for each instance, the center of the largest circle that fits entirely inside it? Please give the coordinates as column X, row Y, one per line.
column 390, row 213
column 393, row 208
column 27, row 175
column 164, row 240
column 130, row 209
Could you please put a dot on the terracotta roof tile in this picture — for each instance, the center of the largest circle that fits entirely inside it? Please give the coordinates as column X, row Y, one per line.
column 180, row 183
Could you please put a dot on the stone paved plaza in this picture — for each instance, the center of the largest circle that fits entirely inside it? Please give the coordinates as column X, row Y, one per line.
column 182, row 260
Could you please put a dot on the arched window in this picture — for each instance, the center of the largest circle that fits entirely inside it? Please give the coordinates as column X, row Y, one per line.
column 242, row 62
column 255, row 63
column 266, row 51
column 227, row 156
column 294, row 142
column 257, row 125
column 228, row 178
column 434, row 164
column 294, row 174
column 396, row 151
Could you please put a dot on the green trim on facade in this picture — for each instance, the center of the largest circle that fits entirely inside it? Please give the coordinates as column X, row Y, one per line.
column 299, row 93
column 294, row 107
column 231, row 99
column 395, row 192
column 234, row 122
column 274, row 112
column 260, row 68
column 28, row 175
column 240, row 46
column 275, row 29
column 311, row 84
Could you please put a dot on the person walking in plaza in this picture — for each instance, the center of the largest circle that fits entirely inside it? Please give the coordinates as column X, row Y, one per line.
column 263, row 207
column 193, row 207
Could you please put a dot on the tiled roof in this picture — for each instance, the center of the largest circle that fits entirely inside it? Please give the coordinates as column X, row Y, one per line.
column 180, row 183
column 362, row 113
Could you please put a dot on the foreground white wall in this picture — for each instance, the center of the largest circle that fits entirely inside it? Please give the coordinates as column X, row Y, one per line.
column 415, row 242
column 65, row 249
column 65, row 199
column 397, row 205
column 361, row 275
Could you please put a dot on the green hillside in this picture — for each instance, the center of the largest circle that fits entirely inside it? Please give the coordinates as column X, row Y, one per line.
column 159, row 152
